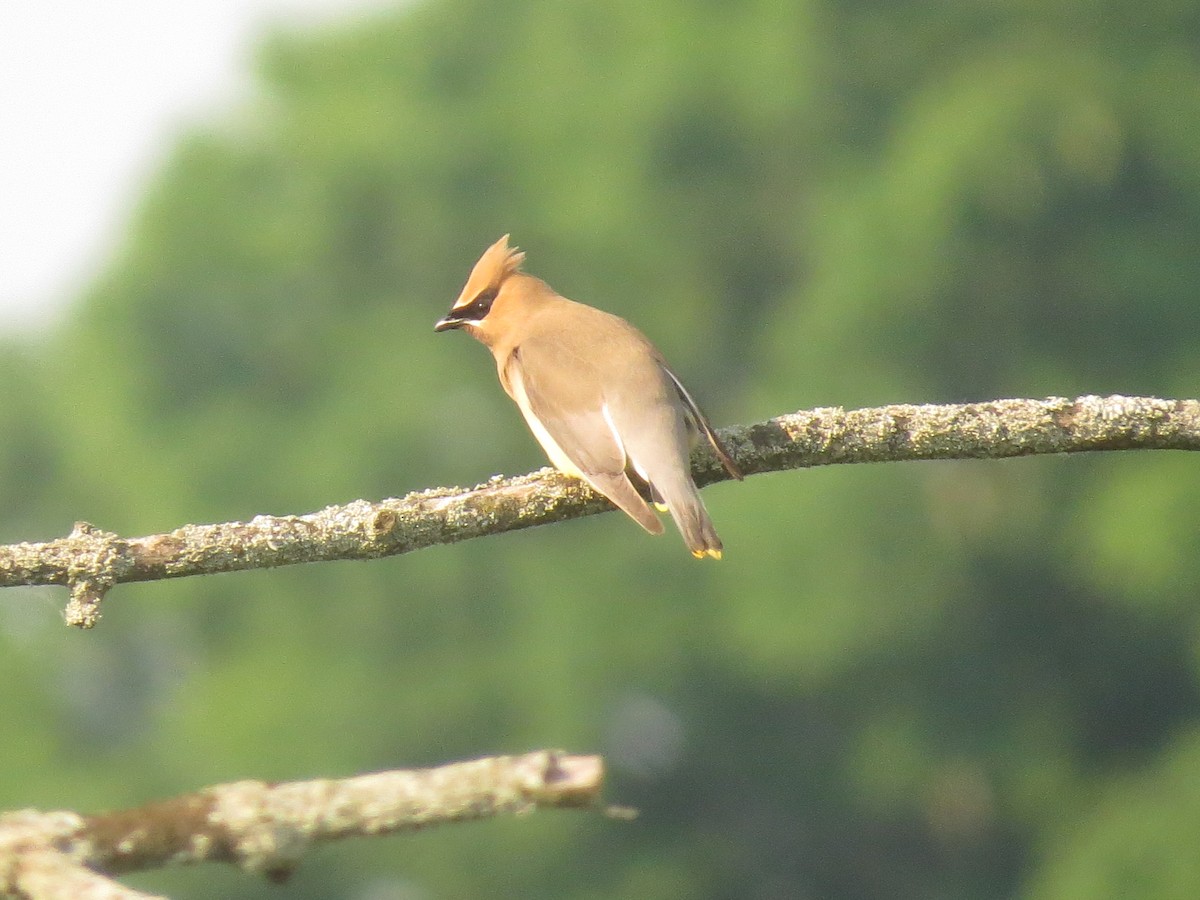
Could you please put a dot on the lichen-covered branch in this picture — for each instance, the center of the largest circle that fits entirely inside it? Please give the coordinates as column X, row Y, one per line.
column 267, row 828
column 91, row 561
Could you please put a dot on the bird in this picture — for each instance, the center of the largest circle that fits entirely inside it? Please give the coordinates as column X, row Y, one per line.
column 596, row 393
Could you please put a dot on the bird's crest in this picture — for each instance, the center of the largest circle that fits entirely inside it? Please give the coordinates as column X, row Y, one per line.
column 498, row 262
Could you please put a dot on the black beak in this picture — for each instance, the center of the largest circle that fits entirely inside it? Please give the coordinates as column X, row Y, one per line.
column 448, row 321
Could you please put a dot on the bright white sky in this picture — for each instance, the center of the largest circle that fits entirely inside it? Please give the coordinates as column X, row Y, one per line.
column 91, row 95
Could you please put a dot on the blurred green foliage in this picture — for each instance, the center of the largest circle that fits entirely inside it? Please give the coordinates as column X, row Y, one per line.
column 940, row 680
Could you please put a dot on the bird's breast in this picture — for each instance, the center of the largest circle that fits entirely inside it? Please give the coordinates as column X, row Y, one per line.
column 515, row 385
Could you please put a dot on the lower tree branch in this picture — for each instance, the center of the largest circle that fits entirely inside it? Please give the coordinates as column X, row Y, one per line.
column 267, row 828
column 90, row 561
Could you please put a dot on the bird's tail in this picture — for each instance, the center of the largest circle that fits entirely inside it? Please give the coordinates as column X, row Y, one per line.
column 691, row 518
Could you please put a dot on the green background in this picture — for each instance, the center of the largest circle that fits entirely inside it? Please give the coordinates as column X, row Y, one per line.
column 936, row 680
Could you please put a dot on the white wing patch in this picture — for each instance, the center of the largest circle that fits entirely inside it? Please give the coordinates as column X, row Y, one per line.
column 612, row 426
column 641, row 473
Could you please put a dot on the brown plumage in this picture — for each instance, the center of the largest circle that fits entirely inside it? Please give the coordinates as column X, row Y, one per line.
column 596, row 393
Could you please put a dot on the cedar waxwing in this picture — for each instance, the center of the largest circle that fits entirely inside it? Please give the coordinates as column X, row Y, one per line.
column 596, row 393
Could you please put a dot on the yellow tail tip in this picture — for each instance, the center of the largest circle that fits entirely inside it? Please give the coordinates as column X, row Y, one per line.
column 700, row 554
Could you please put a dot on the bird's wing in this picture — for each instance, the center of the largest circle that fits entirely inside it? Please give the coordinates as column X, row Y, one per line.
column 562, row 402
column 703, row 425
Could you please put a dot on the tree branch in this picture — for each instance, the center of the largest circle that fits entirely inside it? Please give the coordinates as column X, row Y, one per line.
column 267, row 828
column 91, row 561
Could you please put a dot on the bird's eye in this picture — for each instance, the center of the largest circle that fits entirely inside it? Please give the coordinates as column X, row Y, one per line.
column 483, row 301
